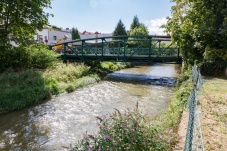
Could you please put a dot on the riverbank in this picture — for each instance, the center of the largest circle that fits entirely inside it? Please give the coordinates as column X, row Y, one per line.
column 213, row 101
column 63, row 120
column 28, row 87
column 212, row 104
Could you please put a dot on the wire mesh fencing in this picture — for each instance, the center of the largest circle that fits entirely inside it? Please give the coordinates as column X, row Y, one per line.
column 194, row 139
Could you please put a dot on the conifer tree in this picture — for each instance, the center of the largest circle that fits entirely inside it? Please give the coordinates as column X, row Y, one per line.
column 120, row 29
column 75, row 34
column 135, row 23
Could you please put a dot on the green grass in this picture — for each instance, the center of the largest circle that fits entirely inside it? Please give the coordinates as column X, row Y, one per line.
column 214, row 114
column 25, row 88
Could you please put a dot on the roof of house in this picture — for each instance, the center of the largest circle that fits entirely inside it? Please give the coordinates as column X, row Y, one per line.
column 88, row 33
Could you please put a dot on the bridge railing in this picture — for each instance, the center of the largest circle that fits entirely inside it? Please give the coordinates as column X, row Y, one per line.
column 194, row 139
column 120, row 46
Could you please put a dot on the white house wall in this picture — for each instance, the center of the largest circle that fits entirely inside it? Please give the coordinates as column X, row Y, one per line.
column 59, row 34
column 41, row 35
column 49, row 35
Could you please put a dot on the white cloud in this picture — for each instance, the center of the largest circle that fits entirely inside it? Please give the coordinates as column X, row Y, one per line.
column 154, row 26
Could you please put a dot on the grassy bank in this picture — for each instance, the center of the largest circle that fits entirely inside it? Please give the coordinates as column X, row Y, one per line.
column 134, row 131
column 28, row 87
column 213, row 101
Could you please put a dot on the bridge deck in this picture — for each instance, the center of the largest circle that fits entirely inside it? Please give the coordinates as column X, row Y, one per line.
column 122, row 57
column 121, row 48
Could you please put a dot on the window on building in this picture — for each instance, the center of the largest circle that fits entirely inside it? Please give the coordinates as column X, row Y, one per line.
column 40, row 37
column 46, row 40
column 55, row 37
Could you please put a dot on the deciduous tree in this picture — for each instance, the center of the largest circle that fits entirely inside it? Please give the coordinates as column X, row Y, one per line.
column 141, row 30
column 198, row 26
column 21, row 18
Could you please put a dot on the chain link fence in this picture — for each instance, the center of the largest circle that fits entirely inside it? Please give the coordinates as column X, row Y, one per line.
column 194, row 140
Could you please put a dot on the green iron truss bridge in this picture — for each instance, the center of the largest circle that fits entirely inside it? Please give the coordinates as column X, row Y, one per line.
column 122, row 48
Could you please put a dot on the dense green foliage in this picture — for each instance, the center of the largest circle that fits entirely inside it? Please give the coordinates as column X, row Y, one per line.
column 135, row 23
column 75, row 34
column 56, row 27
column 19, row 22
column 21, row 57
column 25, row 88
column 140, row 30
column 199, row 28
column 114, row 66
column 20, row 19
column 120, row 29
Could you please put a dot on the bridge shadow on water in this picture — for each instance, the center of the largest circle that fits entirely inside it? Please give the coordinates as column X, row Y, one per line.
column 142, row 79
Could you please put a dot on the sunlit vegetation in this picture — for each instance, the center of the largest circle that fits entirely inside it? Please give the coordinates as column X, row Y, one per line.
column 213, row 101
column 199, row 29
column 28, row 87
column 33, row 74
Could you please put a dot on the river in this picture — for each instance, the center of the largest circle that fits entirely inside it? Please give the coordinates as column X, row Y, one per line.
column 60, row 122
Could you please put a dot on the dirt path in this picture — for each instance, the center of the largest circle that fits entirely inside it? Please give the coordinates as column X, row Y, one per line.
column 182, row 131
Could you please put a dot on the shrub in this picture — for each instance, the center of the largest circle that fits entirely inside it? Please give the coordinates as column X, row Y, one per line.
column 28, row 87
column 19, row 90
column 42, row 57
column 15, row 58
column 70, row 88
column 36, row 56
column 128, row 131
column 213, row 68
column 114, row 66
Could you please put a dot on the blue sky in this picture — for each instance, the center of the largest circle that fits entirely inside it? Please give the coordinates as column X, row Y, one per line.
column 103, row 15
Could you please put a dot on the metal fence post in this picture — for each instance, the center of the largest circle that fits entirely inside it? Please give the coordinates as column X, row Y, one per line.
column 192, row 135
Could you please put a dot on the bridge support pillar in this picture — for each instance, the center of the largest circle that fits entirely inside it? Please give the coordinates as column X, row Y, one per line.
column 82, row 50
column 102, row 48
column 149, row 59
column 64, row 52
column 125, row 50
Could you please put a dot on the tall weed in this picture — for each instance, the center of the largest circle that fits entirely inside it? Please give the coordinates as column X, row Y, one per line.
column 128, row 131
column 28, row 87
column 35, row 56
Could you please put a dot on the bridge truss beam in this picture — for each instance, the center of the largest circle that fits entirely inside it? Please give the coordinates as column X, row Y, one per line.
column 122, row 48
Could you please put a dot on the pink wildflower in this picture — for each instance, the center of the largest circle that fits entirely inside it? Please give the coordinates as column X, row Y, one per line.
column 171, row 131
column 167, row 141
column 107, row 137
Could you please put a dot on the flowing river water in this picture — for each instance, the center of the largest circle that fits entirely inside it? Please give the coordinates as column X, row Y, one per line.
column 61, row 121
